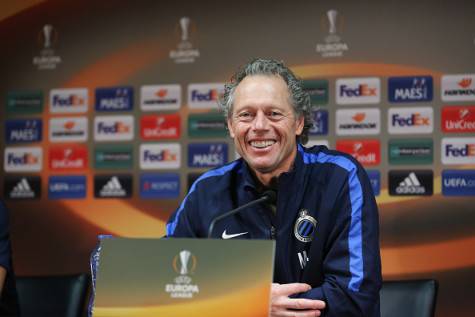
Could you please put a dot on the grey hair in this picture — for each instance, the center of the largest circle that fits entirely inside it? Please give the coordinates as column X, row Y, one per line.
column 299, row 99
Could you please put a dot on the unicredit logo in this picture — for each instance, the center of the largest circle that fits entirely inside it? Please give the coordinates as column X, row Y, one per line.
column 415, row 119
column 458, row 119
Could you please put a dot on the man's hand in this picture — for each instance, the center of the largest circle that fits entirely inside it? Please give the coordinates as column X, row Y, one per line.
column 282, row 305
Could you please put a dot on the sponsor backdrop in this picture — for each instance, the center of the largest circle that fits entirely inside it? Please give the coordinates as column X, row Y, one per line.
column 109, row 113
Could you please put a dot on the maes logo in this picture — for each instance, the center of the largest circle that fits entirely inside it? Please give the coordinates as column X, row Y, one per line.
column 204, row 96
column 68, row 158
column 163, row 155
column 458, row 151
column 23, row 131
column 114, row 99
column 207, row 155
column 410, row 89
column 320, row 123
column 69, row 100
column 358, row 90
column 23, row 159
column 410, row 120
column 367, row 152
column 114, row 128
column 458, row 119
column 410, row 183
column 161, row 127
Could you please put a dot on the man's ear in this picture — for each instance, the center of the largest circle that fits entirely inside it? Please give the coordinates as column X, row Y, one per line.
column 230, row 128
column 299, row 125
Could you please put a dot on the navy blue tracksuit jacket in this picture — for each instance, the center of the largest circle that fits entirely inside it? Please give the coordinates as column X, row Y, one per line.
column 326, row 226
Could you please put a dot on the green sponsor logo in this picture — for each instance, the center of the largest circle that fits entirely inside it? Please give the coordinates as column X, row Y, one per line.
column 206, row 125
column 318, row 91
column 411, row 151
column 25, row 102
column 113, row 157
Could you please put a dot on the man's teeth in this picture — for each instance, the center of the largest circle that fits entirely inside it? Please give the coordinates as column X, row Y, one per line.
column 262, row 144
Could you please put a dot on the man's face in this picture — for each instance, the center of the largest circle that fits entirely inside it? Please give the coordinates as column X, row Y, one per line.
column 263, row 124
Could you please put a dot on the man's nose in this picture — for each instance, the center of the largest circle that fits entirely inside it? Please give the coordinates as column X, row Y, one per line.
column 260, row 121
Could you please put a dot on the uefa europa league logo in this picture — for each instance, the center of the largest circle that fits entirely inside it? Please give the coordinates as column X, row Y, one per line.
column 185, row 27
column 184, row 263
column 184, row 259
column 332, row 14
column 47, row 35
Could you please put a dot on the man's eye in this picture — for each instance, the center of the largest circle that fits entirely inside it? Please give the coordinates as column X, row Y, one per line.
column 244, row 115
column 275, row 114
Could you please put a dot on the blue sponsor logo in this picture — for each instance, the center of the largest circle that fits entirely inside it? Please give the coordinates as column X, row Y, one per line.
column 207, row 154
column 458, row 183
column 23, row 130
column 160, row 185
column 320, row 123
column 375, row 180
column 410, row 89
column 114, row 99
column 67, row 187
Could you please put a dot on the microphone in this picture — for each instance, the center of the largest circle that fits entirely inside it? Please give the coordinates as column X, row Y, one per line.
column 268, row 196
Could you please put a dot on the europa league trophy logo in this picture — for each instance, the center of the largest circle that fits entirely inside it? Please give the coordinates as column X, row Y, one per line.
column 185, row 26
column 47, row 35
column 332, row 23
column 331, row 14
column 184, row 259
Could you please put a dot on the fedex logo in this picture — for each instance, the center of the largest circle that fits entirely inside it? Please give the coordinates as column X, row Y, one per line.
column 114, row 128
column 160, row 97
column 23, row 159
column 458, row 87
column 358, row 90
column 204, row 96
column 160, row 127
column 410, row 120
column 160, row 156
column 458, row 119
column 207, row 154
column 367, row 152
column 68, row 158
column 458, row 151
column 410, row 89
column 114, row 99
column 73, row 100
column 22, row 131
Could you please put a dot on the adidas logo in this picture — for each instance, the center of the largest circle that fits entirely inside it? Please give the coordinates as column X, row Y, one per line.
column 22, row 190
column 113, row 188
column 410, row 185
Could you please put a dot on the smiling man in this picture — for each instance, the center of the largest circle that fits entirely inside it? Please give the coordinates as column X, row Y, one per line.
column 325, row 220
